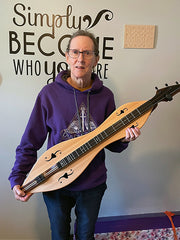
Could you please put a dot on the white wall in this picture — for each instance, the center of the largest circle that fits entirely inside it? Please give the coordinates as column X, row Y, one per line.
column 143, row 179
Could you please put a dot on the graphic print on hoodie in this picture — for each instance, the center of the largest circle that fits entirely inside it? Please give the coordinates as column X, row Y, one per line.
column 73, row 129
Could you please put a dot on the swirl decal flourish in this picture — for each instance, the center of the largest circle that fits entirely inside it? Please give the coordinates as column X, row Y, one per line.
column 108, row 16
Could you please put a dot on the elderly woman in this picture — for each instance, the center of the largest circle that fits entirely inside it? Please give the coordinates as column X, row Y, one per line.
column 74, row 104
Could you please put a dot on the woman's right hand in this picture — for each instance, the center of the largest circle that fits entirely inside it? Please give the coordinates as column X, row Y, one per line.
column 21, row 195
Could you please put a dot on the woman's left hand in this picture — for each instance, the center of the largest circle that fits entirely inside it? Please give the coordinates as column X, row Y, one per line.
column 131, row 134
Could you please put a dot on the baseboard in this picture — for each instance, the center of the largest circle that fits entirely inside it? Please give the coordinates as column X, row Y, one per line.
column 135, row 222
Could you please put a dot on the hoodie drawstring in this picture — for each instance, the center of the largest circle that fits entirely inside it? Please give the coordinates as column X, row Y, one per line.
column 88, row 112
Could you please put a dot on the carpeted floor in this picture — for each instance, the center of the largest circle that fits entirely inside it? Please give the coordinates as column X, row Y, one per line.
column 154, row 234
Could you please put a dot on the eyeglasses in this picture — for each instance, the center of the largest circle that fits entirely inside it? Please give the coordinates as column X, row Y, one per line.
column 74, row 53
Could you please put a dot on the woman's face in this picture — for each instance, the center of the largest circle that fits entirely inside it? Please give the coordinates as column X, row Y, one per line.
column 81, row 67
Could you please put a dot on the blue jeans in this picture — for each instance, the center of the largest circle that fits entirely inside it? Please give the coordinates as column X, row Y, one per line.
column 87, row 204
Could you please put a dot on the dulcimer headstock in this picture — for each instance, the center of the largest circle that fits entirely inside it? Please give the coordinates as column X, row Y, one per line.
column 166, row 94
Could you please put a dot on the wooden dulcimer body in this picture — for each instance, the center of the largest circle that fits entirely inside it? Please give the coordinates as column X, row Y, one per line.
column 64, row 162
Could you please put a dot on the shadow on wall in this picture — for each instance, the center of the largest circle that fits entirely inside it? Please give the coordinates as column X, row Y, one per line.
column 42, row 226
column 0, row 79
column 149, row 180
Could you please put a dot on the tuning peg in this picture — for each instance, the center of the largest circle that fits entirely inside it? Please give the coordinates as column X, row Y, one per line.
column 166, row 85
column 156, row 88
column 177, row 82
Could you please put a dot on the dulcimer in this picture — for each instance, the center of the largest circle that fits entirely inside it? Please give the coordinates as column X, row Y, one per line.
column 64, row 162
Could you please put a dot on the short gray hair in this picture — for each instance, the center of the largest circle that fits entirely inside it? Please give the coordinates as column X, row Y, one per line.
column 86, row 34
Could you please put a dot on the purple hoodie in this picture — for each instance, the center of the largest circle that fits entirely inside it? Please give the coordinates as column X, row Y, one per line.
column 60, row 113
